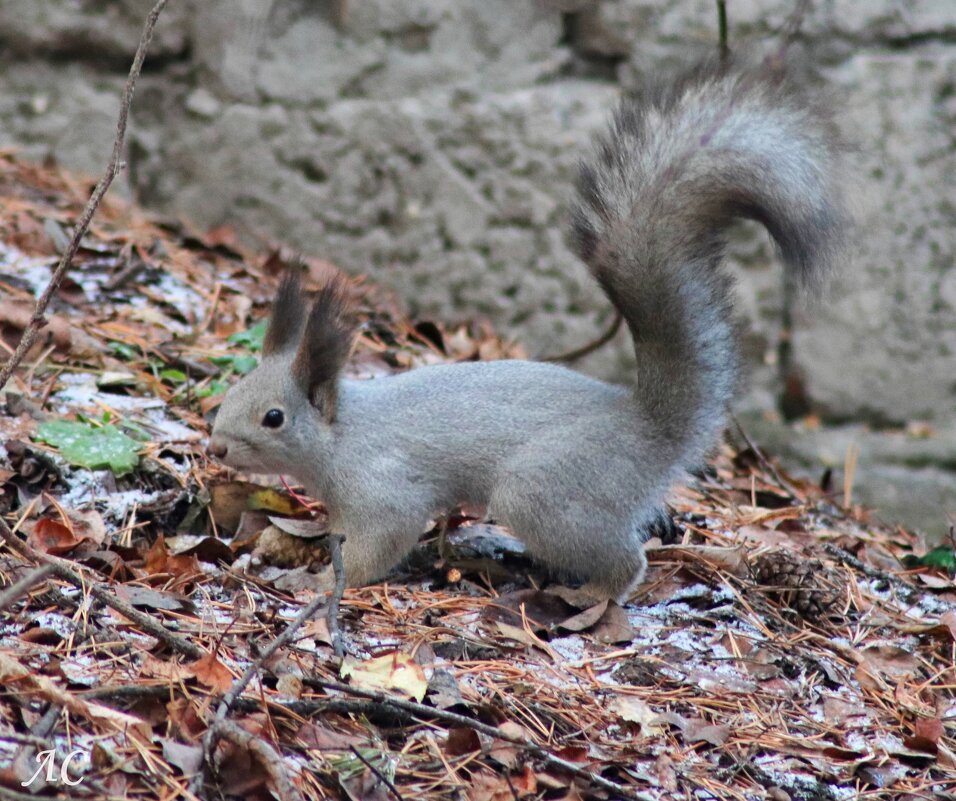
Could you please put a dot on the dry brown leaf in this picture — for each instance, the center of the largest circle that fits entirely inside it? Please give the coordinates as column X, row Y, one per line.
column 525, row 637
column 614, row 626
column 51, row 536
column 322, row 738
column 585, row 619
column 392, row 671
column 462, row 740
column 212, row 673
column 728, row 560
column 927, row 733
column 885, row 662
column 635, row 710
column 148, row 598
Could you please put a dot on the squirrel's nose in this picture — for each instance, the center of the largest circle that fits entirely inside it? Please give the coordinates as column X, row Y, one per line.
column 218, row 449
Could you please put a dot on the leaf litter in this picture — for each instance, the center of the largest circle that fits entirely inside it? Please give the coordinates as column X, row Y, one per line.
column 781, row 646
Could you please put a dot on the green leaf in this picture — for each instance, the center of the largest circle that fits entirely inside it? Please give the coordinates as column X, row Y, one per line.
column 216, row 387
column 173, row 376
column 244, row 364
column 943, row 557
column 127, row 352
column 87, row 446
column 252, row 338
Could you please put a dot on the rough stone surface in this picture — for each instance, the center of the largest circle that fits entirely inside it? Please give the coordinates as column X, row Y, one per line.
column 432, row 144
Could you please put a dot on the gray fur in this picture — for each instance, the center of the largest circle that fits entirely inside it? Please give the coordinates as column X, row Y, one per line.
column 288, row 315
column 574, row 467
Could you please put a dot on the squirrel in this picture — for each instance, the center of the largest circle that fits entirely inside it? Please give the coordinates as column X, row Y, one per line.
column 575, row 468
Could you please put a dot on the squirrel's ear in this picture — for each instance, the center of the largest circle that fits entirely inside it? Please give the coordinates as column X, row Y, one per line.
column 326, row 344
column 288, row 314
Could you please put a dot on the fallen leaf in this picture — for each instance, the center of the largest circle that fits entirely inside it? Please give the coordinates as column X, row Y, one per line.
column 186, row 757
column 586, row 619
column 160, row 560
column 317, row 737
column 614, row 626
column 881, row 662
column 695, row 730
column 926, row 735
column 945, row 627
column 392, row 671
column 212, row 673
column 484, row 785
column 634, row 710
column 525, row 637
column 93, row 447
column 728, row 560
column 443, row 689
column 462, row 740
column 308, row 528
column 51, row 536
column 545, row 611
column 227, row 502
column 135, row 595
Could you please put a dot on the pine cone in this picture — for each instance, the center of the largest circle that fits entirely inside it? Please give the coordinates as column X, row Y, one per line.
column 802, row 585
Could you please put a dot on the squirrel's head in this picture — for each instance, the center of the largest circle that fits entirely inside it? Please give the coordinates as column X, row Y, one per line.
column 277, row 417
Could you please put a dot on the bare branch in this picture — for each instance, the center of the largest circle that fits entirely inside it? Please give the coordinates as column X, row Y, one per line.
column 37, row 320
column 106, row 596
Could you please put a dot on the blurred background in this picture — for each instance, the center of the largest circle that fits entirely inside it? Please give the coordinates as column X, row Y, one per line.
column 432, row 145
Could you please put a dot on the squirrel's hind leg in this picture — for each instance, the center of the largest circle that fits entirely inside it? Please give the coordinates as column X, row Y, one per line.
column 578, row 532
column 376, row 542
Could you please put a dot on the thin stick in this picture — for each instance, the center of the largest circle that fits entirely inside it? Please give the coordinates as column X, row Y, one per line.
column 762, row 457
column 107, row 596
column 37, row 320
column 24, row 585
column 722, row 29
column 378, row 774
column 270, row 759
column 427, row 712
column 584, row 350
column 213, row 732
column 332, row 613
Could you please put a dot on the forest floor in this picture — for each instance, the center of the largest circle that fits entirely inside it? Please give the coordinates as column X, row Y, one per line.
column 784, row 644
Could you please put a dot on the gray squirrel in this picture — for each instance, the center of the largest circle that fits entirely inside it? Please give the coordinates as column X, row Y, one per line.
column 575, row 468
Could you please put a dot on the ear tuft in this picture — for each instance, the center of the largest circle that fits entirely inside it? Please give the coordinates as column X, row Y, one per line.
column 288, row 314
column 326, row 344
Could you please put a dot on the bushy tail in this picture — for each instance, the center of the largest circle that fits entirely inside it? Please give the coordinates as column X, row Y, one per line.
column 653, row 206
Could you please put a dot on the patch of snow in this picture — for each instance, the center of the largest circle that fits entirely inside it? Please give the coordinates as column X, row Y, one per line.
column 686, row 640
column 163, row 429
column 120, row 504
column 80, row 389
column 572, row 648
column 94, row 487
column 54, row 621
column 35, row 271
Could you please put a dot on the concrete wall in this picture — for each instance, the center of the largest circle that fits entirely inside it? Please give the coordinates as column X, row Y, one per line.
column 431, row 143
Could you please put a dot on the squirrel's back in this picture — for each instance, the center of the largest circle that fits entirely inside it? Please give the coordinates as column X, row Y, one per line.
column 654, row 202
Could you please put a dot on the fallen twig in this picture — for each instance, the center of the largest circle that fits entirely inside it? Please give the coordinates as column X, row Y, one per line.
column 308, row 611
column 378, row 774
column 106, row 596
column 270, row 759
column 332, row 614
column 428, row 712
column 590, row 347
column 785, row 485
column 115, row 164
column 21, row 587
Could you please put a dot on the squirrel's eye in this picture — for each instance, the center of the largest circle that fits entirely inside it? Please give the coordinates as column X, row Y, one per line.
column 273, row 418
